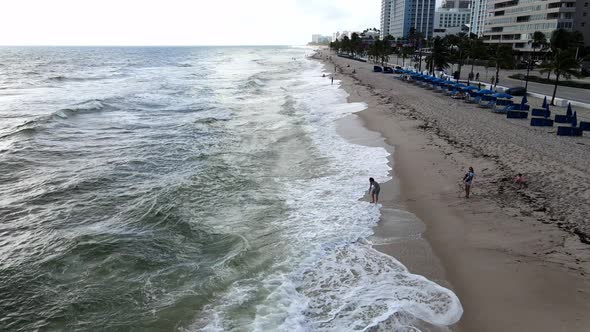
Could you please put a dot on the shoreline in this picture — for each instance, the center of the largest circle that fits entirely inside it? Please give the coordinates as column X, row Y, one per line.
column 511, row 267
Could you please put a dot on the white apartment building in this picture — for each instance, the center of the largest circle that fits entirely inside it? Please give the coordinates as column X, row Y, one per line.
column 399, row 17
column 451, row 18
column 452, row 13
column 385, row 18
column 478, row 17
column 513, row 22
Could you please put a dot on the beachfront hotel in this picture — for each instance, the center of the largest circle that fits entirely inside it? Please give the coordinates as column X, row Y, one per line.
column 398, row 17
column 513, row 22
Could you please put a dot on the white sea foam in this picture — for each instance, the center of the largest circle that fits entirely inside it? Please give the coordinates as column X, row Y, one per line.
column 334, row 280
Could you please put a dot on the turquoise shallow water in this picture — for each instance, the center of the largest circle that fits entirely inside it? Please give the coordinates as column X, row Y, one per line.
column 190, row 189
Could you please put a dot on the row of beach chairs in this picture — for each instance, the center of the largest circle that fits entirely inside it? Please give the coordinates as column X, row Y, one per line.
column 496, row 102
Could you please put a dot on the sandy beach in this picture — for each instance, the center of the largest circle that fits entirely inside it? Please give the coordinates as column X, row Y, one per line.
column 519, row 259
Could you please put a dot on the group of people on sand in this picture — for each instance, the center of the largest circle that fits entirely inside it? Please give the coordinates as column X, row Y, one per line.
column 519, row 181
column 375, row 188
column 468, row 178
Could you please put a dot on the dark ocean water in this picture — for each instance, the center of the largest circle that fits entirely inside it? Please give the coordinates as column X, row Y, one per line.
column 190, row 189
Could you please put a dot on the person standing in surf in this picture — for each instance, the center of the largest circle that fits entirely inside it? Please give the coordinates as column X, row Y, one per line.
column 374, row 189
column 468, row 180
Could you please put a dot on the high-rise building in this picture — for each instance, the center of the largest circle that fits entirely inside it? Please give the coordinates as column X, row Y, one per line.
column 582, row 19
column 453, row 13
column 385, row 17
column 478, row 17
column 399, row 17
column 456, row 4
column 513, row 22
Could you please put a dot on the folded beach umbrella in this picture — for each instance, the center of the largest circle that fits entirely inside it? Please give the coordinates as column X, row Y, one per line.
column 545, row 103
column 568, row 113
column 575, row 119
column 502, row 96
column 486, row 92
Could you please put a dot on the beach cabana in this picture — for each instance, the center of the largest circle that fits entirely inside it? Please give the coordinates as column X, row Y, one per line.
column 472, row 94
column 523, row 104
column 573, row 130
column 502, row 96
column 487, row 100
column 503, row 103
column 567, row 118
column 545, row 105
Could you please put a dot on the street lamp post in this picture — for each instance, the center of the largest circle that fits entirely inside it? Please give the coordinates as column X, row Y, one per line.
column 528, row 69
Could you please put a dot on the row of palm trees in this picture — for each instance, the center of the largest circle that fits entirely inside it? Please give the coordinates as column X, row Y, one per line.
column 559, row 53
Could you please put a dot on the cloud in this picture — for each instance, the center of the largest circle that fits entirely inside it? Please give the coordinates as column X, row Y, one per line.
column 179, row 22
column 328, row 10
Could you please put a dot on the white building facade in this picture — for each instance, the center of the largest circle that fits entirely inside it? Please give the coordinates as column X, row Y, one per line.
column 399, row 17
column 514, row 22
column 385, row 18
column 453, row 13
column 478, row 17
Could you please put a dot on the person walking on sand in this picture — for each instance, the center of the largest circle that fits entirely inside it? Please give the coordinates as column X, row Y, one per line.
column 468, row 181
column 374, row 189
column 332, row 80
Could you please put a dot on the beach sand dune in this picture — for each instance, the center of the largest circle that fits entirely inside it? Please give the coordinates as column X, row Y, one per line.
column 518, row 258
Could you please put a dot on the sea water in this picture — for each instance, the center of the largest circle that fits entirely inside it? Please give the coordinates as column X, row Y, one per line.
column 191, row 189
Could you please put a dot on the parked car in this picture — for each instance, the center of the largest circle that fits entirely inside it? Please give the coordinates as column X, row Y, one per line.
column 516, row 91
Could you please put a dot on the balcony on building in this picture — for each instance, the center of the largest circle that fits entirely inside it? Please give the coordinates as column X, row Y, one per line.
column 505, row 4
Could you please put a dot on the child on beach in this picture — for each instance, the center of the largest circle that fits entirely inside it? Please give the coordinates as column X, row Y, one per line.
column 375, row 190
column 520, row 181
column 468, row 180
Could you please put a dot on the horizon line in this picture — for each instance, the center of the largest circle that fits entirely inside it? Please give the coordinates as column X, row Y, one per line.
column 150, row 45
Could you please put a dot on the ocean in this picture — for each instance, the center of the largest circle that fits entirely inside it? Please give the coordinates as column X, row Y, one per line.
column 191, row 189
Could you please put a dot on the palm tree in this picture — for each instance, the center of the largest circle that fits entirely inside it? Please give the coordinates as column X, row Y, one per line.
column 459, row 45
column 501, row 56
column 405, row 53
column 356, row 46
column 560, row 39
column 439, row 58
column 477, row 50
column 384, row 51
column 539, row 40
column 374, row 50
column 563, row 63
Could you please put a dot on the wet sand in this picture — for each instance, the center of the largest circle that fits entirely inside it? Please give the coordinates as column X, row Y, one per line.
column 515, row 257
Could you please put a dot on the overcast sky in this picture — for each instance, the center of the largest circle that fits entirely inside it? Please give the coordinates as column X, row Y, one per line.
column 180, row 22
